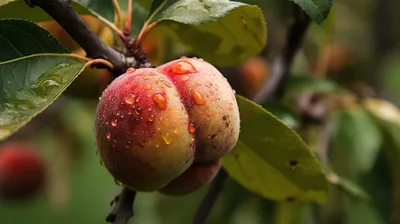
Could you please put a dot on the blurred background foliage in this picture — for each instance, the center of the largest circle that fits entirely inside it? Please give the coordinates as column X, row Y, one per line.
column 357, row 48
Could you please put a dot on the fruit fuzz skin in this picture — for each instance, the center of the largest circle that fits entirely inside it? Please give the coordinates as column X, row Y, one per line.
column 22, row 171
column 153, row 124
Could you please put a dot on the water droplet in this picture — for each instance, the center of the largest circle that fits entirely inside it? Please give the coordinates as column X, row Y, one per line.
column 138, row 99
column 183, row 67
column 148, row 86
column 160, row 100
column 167, row 84
column 176, row 131
column 193, row 138
column 198, row 98
column 175, row 93
column 121, row 105
column 134, row 86
column 130, row 99
column 157, row 145
column 114, row 123
column 167, row 139
column 108, row 136
column 212, row 93
column 145, row 78
column 137, row 111
column 151, row 118
column 185, row 78
column 192, row 128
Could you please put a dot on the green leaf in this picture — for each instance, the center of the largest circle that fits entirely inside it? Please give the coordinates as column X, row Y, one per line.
column 272, row 160
column 105, row 8
column 318, row 10
column 283, row 112
column 234, row 31
column 19, row 9
column 19, row 38
column 355, row 140
column 36, row 76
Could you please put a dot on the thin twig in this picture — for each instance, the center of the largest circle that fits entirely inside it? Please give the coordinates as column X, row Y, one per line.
column 274, row 86
column 118, row 13
column 272, row 89
column 63, row 12
column 210, row 198
column 128, row 22
column 123, row 208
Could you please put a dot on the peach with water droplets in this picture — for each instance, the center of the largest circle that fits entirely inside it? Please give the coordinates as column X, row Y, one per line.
column 152, row 124
column 195, row 177
column 210, row 103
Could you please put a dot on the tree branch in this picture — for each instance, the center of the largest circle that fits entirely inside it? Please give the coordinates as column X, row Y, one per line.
column 63, row 12
column 272, row 89
column 210, row 198
column 123, row 209
column 274, row 86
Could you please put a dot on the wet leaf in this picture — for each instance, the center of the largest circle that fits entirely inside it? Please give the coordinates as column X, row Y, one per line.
column 272, row 160
column 234, row 31
column 36, row 72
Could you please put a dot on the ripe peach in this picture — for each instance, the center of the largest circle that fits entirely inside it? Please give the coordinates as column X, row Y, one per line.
column 22, row 171
column 153, row 123
column 198, row 175
column 210, row 103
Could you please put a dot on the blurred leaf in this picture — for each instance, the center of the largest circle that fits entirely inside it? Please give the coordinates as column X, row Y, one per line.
column 146, row 4
column 318, row 10
column 234, row 31
column 348, row 187
column 105, row 8
column 288, row 213
column 387, row 116
column 283, row 112
column 33, row 79
column 355, row 139
column 272, row 160
column 301, row 84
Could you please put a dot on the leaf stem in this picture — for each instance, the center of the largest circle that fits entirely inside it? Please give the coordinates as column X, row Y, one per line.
column 118, row 13
column 113, row 27
column 147, row 27
column 128, row 22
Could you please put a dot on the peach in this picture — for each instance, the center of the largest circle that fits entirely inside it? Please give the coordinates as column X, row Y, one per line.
column 153, row 123
column 22, row 171
column 198, row 175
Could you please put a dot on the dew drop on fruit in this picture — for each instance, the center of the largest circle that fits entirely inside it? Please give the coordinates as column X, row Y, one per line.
column 134, row 86
column 192, row 128
column 138, row 99
column 167, row 139
column 185, row 78
column 151, row 118
column 167, row 84
column 130, row 70
column 176, row 131
column 108, row 136
column 130, row 99
column 148, row 86
column 114, row 123
column 198, row 98
column 160, row 100
column 183, row 67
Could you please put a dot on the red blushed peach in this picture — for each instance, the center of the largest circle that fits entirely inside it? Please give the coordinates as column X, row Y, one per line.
column 142, row 131
column 198, row 175
column 22, row 171
column 210, row 103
